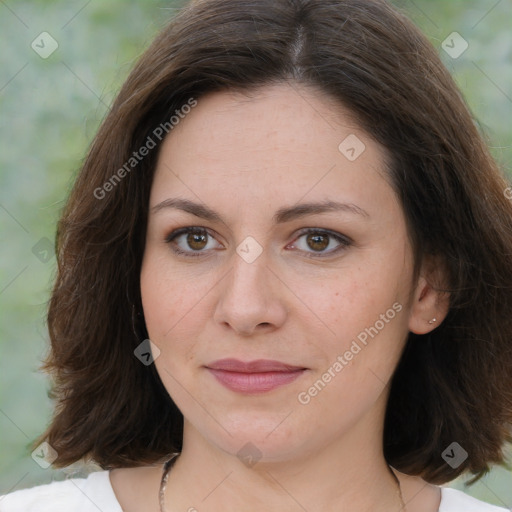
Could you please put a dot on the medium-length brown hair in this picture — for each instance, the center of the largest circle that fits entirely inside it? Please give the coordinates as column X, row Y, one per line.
column 451, row 385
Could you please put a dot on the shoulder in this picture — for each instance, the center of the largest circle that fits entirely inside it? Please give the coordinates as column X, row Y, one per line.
column 78, row 494
column 453, row 500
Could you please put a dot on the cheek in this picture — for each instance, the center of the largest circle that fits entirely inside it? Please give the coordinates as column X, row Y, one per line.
column 166, row 294
column 155, row 302
column 161, row 300
column 351, row 299
column 173, row 311
column 364, row 317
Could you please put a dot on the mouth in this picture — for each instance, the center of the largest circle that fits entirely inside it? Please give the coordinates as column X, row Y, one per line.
column 257, row 376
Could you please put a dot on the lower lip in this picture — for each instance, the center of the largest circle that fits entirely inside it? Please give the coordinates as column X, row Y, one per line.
column 255, row 382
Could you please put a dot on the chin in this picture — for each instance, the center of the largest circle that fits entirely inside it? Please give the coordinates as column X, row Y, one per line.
column 255, row 437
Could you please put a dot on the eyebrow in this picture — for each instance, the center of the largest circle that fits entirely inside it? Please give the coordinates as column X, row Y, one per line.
column 285, row 214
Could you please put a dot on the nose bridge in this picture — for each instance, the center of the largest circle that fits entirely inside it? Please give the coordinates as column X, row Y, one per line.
column 248, row 279
column 248, row 298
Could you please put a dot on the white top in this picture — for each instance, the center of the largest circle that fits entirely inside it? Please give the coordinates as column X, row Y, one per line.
column 95, row 493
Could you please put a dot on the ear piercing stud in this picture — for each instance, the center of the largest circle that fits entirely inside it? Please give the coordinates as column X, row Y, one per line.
column 433, row 321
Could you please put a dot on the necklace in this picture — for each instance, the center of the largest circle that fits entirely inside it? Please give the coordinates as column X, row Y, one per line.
column 398, row 490
column 168, row 465
column 165, row 477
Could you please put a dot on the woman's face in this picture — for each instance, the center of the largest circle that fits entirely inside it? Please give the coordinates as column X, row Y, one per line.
column 273, row 235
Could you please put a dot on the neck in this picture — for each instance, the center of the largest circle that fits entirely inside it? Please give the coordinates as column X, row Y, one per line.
column 349, row 474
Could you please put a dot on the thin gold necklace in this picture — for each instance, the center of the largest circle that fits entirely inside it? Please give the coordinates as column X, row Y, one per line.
column 165, row 476
column 168, row 465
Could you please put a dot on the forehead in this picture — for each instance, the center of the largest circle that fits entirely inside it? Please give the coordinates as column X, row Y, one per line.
column 272, row 116
column 276, row 144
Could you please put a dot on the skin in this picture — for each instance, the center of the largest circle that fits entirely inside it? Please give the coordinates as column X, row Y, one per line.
column 246, row 156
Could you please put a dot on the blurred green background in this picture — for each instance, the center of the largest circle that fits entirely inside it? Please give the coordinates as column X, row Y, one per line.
column 49, row 111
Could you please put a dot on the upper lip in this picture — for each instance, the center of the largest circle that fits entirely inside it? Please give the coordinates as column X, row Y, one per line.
column 256, row 366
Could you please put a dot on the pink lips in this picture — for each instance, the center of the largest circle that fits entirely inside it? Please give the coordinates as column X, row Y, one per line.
column 256, row 376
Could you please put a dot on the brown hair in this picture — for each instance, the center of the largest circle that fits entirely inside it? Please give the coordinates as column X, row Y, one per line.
column 454, row 384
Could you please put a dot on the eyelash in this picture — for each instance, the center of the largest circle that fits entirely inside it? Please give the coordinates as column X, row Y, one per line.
column 344, row 241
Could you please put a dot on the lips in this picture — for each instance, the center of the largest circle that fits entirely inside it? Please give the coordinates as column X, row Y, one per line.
column 257, row 366
column 257, row 376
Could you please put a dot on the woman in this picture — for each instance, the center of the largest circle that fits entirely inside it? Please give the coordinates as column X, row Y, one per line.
column 291, row 201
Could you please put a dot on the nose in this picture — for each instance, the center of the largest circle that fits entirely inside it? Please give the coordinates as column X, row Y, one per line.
column 250, row 298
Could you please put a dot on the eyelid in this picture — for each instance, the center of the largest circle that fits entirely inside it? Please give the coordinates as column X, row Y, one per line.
column 334, row 234
column 187, row 229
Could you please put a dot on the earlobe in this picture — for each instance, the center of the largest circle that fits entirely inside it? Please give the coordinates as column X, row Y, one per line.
column 428, row 309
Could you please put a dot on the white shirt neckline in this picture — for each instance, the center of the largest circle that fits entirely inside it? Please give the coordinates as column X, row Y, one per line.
column 88, row 494
column 452, row 500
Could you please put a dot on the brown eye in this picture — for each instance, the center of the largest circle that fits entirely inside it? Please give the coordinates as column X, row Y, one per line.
column 197, row 241
column 317, row 242
column 321, row 243
column 192, row 241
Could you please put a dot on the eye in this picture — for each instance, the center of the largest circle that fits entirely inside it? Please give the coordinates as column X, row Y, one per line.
column 191, row 241
column 195, row 241
column 316, row 242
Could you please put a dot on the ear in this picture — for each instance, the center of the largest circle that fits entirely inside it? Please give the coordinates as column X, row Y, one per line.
column 430, row 305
